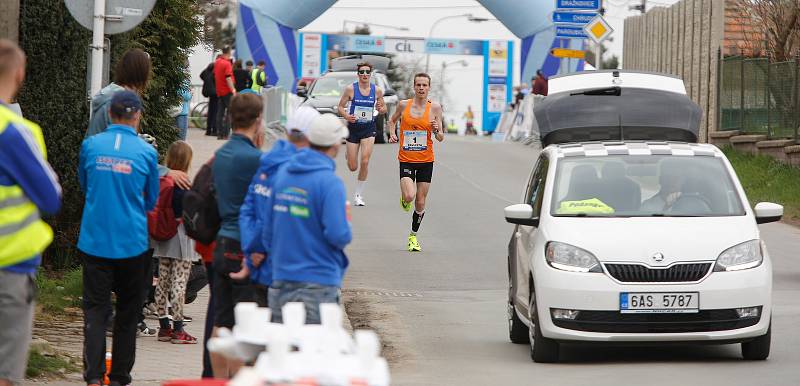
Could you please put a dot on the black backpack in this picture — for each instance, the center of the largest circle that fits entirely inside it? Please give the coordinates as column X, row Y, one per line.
column 259, row 80
column 200, row 212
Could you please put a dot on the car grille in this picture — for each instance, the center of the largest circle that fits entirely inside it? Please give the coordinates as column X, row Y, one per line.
column 616, row 322
column 637, row 273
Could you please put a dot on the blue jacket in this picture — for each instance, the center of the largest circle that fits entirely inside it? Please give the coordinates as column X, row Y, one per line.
column 235, row 163
column 186, row 97
column 21, row 164
column 255, row 203
column 118, row 172
column 307, row 229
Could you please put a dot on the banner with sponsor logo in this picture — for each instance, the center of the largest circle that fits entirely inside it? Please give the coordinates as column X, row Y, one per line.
column 311, row 49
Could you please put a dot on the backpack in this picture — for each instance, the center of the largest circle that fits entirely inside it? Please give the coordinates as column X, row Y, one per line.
column 200, row 213
column 261, row 81
column 161, row 222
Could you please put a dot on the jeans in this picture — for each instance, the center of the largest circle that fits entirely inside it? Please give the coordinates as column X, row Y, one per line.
column 223, row 124
column 310, row 294
column 124, row 277
column 211, row 115
column 182, row 122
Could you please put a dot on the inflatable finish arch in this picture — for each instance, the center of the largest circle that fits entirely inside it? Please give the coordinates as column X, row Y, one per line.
column 267, row 30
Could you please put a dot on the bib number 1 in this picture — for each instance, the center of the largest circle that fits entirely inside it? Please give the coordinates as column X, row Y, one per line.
column 415, row 140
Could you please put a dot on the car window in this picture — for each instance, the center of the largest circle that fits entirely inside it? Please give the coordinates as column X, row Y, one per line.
column 629, row 186
column 535, row 191
column 334, row 85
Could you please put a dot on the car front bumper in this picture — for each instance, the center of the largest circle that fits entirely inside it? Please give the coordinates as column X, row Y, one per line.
column 597, row 296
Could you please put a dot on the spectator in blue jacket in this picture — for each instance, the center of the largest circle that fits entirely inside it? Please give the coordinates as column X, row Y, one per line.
column 28, row 189
column 182, row 120
column 118, row 171
column 252, row 211
column 235, row 163
column 306, row 228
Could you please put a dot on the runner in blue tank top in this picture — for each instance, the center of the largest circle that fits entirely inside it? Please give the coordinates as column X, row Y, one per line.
column 364, row 98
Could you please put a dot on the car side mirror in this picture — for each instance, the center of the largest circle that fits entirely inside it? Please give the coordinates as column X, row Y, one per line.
column 521, row 214
column 303, row 93
column 389, row 92
column 767, row 212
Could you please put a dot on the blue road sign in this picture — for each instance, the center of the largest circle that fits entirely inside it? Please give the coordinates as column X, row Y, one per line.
column 578, row 5
column 573, row 17
column 570, row 32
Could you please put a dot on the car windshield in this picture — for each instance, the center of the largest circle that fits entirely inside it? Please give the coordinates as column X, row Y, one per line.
column 333, row 86
column 641, row 186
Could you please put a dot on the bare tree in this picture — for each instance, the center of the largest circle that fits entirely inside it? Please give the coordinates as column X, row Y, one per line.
column 769, row 25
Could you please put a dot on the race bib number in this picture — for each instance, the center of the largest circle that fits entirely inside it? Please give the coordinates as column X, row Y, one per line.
column 363, row 114
column 415, row 140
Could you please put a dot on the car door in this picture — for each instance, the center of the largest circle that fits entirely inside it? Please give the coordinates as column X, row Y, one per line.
column 525, row 234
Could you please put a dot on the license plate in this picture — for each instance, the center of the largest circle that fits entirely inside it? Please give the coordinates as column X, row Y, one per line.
column 658, row 302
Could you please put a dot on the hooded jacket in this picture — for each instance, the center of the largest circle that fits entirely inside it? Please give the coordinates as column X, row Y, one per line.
column 307, row 229
column 100, row 104
column 252, row 212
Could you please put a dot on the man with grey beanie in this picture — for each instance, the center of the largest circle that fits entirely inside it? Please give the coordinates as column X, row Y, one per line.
column 306, row 226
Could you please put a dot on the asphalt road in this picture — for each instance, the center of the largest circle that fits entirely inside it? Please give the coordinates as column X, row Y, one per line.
column 441, row 312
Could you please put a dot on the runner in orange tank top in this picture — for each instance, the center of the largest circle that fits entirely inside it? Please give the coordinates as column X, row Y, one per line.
column 420, row 121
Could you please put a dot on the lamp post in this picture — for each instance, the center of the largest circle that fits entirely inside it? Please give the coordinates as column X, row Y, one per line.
column 394, row 27
column 469, row 17
column 443, row 80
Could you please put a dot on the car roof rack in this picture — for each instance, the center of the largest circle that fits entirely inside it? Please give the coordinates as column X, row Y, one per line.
column 615, row 112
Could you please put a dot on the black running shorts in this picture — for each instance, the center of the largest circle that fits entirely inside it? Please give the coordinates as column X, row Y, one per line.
column 418, row 172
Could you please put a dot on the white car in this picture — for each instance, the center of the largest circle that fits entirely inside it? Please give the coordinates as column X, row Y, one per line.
column 635, row 240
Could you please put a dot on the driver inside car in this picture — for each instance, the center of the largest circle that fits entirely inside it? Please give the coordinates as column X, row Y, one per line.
column 670, row 180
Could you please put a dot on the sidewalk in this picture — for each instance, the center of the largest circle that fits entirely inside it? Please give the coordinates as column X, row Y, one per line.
column 155, row 361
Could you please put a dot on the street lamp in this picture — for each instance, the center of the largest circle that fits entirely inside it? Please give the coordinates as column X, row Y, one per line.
column 469, row 17
column 443, row 79
column 398, row 28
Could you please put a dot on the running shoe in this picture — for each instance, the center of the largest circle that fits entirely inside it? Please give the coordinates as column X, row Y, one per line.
column 181, row 337
column 165, row 334
column 413, row 245
column 406, row 205
column 143, row 330
column 358, row 200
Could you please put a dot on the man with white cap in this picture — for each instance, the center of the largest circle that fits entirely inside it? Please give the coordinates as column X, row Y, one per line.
column 306, row 226
column 252, row 211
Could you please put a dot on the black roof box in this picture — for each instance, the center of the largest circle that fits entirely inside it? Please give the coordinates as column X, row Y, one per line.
column 633, row 114
column 349, row 63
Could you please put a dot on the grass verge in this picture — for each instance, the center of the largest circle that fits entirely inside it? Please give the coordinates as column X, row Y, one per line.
column 48, row 366
column 765, row 179
column 59, row 291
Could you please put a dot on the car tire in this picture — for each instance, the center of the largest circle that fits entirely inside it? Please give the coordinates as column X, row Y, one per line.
column 543, row 350
column 517, row 330
column 758, row 348
column 380, row 123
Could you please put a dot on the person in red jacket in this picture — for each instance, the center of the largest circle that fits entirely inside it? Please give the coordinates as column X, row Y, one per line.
column 540, row 83
column 223, row 78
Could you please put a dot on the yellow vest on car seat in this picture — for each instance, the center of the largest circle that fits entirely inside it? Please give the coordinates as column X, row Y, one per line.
column 590, row 206
column 23, row 234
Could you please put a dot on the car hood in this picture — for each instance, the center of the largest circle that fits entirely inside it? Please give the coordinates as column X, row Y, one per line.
column 637, row 239
column 329, row 102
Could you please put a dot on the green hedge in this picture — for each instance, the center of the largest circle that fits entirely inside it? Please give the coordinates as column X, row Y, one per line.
column 54, row 94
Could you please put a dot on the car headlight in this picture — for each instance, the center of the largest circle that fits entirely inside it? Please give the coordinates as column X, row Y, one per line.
column 741, row 256
column 570, row 258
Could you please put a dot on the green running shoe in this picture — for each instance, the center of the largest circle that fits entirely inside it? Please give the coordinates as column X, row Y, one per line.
column 413, row 245
column 406, row 205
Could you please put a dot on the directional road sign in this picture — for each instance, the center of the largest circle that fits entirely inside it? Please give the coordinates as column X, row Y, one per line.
column 567, row 53
column 573, row 17
column 597, row 29
column 578, row 5
column 570, row 32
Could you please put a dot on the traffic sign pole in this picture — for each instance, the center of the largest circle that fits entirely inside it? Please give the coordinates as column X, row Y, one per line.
column 97, row 46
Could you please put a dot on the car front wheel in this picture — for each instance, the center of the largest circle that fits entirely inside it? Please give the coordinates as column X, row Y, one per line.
column 543, row 350
column 758, row 348
column 517, row 330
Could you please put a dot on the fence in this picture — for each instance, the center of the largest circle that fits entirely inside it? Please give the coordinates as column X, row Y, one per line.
column 758, row 97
